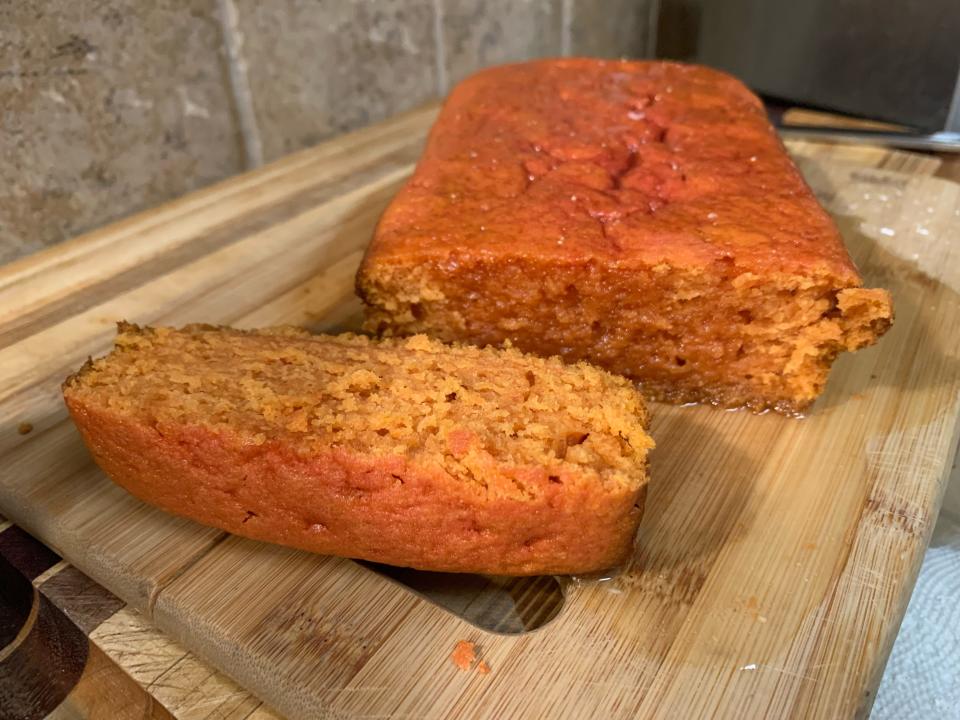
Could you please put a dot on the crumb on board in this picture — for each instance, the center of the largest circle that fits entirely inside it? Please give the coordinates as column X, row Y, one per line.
column 24, row 428
column 464, row 653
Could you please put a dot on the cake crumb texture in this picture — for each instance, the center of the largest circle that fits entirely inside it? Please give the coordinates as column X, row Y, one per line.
column 405, row 451
column 464, row 653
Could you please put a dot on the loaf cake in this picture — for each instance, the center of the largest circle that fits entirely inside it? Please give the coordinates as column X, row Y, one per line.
column 405, row 451
column 643, row 216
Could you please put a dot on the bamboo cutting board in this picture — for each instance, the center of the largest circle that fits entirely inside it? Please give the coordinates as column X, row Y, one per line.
column 775, row 559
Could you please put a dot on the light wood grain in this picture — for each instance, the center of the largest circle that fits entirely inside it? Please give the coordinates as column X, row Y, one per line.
column 775, row 558
column 866, row 155
column 819, row 118
column 169, row 673
column 133, row 670
column 104, row 691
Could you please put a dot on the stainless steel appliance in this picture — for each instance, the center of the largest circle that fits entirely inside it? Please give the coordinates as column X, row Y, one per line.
column 891, row 60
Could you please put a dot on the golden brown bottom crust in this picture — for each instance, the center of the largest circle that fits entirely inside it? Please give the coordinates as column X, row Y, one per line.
column 382, row 509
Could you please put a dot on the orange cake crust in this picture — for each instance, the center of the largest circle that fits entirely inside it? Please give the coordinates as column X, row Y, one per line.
column 156, row 418
column 598, row 210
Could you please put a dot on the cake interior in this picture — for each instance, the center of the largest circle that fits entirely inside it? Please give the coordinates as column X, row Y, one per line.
column 468, row 410
column 685, row 334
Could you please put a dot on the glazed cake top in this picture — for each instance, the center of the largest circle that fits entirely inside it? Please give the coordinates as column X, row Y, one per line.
column 625, row 162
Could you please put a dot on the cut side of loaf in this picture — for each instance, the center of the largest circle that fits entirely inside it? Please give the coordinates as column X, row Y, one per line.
column 407, row 451
column 641, row 216
column 686, row 335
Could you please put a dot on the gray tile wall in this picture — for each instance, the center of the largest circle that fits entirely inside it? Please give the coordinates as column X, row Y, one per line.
column 112, row 106
column 478, row 34
column 107, row 108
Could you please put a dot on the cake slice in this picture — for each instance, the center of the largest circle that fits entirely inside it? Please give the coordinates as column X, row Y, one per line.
column 643, row 216
column 407, row 452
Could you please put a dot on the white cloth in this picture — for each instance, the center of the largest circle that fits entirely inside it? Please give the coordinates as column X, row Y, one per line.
column 922, row 678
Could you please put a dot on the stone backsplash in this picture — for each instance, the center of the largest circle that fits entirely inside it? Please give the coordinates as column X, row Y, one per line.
column 113, row 106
